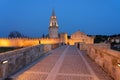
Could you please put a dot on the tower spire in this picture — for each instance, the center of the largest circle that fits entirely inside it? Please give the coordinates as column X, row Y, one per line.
column 53, row 20
column 53, row 12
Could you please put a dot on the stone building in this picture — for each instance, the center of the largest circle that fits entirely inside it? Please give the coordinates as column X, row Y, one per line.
column 80, row 37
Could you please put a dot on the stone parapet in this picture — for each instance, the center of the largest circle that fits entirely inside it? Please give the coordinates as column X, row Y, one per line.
column 13, row 61
column 48, row 47
column 108, row 59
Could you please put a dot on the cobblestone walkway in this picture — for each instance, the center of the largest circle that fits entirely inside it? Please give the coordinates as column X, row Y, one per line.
column 64, row 63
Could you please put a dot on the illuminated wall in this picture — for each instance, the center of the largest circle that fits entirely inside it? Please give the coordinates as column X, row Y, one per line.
column 64, row 38
column 81, row 38
column 23, row 42
column 86, row 41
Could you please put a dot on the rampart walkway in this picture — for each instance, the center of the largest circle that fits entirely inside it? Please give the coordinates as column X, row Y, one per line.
column 64, row 63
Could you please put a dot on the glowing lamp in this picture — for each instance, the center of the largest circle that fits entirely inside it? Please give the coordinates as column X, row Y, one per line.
column 118, row 64
column 4, row 62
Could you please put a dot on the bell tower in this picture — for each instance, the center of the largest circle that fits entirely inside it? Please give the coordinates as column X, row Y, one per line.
column 53, row 27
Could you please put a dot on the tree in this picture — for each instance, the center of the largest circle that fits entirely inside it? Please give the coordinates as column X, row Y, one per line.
column 43, row 35
column 15, row 34
column 100, row 38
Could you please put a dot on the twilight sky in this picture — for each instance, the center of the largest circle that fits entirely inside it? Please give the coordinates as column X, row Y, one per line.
column 31, row 17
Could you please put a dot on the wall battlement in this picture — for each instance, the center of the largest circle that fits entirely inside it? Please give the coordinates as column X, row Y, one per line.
column 24, row 42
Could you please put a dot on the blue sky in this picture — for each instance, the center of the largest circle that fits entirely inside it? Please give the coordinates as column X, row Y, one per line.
column 31, row 17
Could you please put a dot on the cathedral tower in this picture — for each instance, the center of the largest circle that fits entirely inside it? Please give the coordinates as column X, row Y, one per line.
column 53, row 28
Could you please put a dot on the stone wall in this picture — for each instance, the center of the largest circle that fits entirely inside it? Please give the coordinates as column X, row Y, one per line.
column 108, row 59
column 25, row 42
column 48, row 47
column 81, row 46
column 104, row 45
column 81, row 38
column 13, row 61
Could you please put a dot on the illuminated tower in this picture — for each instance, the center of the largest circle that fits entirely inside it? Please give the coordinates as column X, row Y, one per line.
column 53, row 28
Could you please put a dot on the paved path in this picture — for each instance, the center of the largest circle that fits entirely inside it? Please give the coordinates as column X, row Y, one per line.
column 64, row 63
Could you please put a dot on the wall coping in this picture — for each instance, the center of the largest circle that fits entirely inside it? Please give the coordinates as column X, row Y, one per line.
column 4, row 54
column 107, row 51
